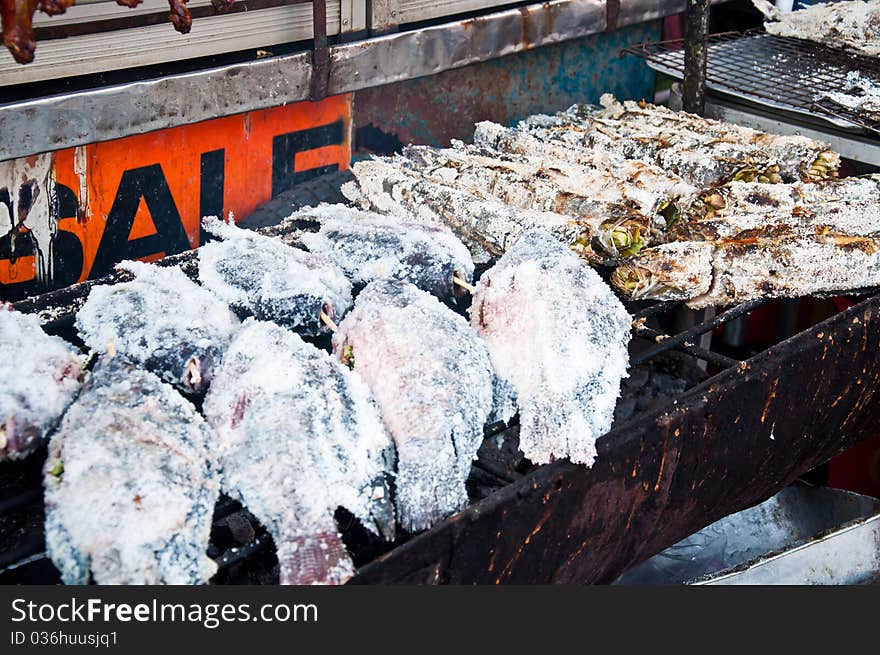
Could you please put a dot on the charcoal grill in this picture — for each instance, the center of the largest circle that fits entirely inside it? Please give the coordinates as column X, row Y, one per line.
column 778, row 73
column 716, row 443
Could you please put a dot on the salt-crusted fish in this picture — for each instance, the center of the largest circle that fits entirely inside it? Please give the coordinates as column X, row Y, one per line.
column 726, row 272
column 264, row 277
column 854, row 25
column 40, row 376
column 616, row 218
column 299, row 436
column 431, row 376
column 700, row 151
column 486, row 227
column 130, row 483
column 369, row 246
column 849, row 206
column 558, row 334
column 161, row 320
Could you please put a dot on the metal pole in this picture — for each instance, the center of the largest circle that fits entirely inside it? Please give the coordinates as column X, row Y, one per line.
column 694, row 92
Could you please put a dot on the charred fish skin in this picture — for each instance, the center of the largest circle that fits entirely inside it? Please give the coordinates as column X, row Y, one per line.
column 298, row 436
column 162, row 320
column 368, row 246
column 130, row 483
column 680, row 270
column 487, row 227
column 558, row 334
column 433, row 381
column 262, row 276
column 702, row 151
column 41, row 375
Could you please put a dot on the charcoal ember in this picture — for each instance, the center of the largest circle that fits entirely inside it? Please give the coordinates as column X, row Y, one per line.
column 40, row 375
column 161, row 320
column 432, row 378
column 298, row 436
column 369, row 246
column 657, row 383
column 130, row 483
column 558, row 334
column 262, row 276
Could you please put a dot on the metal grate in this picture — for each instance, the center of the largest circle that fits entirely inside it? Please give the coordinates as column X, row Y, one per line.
column 781, row 73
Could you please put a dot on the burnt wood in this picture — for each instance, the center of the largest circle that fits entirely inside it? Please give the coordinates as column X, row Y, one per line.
column 725, row 445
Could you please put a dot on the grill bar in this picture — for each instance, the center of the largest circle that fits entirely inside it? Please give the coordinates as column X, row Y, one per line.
column 778, row 72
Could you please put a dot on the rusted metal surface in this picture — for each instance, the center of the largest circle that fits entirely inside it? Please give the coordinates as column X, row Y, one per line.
column 445, row 106
column 727, row 444
column 320, row 52
column 694, row 94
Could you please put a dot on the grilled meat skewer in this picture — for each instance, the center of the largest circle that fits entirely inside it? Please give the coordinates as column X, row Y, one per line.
column 299, row 436
column 130, row 483
column 162, row 320
column 558, row 335
column 40, row 376
column 368, row 246
column 272, row 281
column 431, row 376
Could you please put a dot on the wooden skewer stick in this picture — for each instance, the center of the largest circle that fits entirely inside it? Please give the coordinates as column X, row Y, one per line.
column 328, row 322
column 464, row 285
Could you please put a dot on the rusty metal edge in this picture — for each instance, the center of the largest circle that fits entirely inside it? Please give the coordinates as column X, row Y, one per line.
column 656, row 479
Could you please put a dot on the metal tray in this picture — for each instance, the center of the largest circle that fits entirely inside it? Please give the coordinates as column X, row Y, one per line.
column 802, row 535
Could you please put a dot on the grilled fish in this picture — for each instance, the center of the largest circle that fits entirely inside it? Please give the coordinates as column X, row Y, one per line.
column 854, row 25
column 162, row 320
column 368, row 246
column 616, row 219
column 487, row 227
column 272, row 281
column 558, row 334
column 431, row 376
column 40, row 376
column 299, row 436
column 738, row 210
column 735, row 271
column 130, row 483
column 701, row 151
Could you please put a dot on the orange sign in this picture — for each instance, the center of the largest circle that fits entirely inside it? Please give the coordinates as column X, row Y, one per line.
column 72, row 214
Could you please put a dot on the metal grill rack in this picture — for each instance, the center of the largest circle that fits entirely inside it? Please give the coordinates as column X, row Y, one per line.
column 779, row 73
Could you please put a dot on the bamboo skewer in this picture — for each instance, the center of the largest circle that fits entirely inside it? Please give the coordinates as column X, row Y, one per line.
column 470, row 288
column 326, row 320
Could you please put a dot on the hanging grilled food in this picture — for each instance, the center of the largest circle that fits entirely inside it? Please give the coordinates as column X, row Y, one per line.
column 130, row 483
column 299, row 436
column 161, row 320
column 369, row 246
column 262, row 276
column 18, row 17
column 617, row 218
column 701, row 151
column 39, row 377
column 717, row 273
column 486, row 227
column 558, row 335
column 853, row 24
column 431, row 376
column 850, row 206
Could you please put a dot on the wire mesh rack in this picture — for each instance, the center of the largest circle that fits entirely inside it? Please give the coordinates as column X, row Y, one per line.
column 781, row 73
